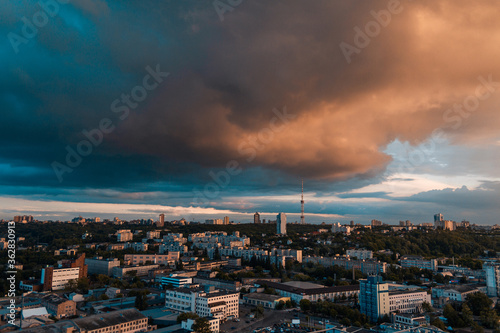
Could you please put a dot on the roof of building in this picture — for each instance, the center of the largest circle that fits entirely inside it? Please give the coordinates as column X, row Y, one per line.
column 263, row 297
column 55, row 299
column 41, row 311
column 303, row 285
column 108, row 319
column 459, row 288
column 402, row 292
column 297, row 290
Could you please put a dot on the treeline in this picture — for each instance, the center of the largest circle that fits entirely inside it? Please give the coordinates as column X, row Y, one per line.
column 434, row 243
column 345, row 315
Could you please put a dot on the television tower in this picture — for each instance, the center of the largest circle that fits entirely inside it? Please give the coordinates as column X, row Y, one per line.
column 302, row 220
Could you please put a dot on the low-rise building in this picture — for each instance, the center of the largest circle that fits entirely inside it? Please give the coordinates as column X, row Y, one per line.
column 265, row 300
column 218, row 283
column 175, row 281
column 128, row 320
column 165, row 259
column 59, row 307
column 419, row 262
column 297, row 290
column 370, row 266
column 121, row 272
column 361, row 254
column 442, row 295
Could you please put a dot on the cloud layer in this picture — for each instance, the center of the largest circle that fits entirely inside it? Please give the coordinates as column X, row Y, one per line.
column 230, row 87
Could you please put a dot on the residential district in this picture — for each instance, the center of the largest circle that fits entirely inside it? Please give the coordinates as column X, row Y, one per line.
column 106, row 276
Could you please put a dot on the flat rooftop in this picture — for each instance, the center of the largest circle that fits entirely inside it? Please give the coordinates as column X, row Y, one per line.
column 303, row 285
column 263, row 297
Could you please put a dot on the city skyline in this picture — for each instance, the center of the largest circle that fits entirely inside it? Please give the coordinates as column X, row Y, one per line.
column 386, row 112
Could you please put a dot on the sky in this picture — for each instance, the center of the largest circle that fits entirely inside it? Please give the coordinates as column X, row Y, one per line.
column 386, row 110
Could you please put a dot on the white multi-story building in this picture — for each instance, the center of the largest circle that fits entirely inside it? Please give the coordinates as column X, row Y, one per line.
column 176, row 281
column 174, row 237
column 406, row 301
column 173, row 247
column 360, row 254
column 136, row 259
column 345, row 229
column 124, row 235
column 60, row 276
column 139, row 247
column 153, row 234
column 452, row 293
column 419, row 262
column 218, row 237
column 205, row 302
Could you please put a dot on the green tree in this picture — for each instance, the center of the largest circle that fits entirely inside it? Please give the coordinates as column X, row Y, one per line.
column 83, row 285
column 489, row 318
column 453, row 317
column 427, row 307
column 186, row 315
column 305, row 305
column 71, row 285
column 477, row 302
column 201, row 325
column 439, row 324
column 141, row 301
column 280, row 305
column 467, row 315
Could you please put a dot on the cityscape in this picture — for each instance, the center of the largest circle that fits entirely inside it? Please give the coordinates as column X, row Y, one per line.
column 250, row 166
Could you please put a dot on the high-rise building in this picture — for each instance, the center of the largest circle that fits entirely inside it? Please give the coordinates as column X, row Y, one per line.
column 374, row 297
column 376, row 300
column 23, row 219
column 492, row 271
column 256, row 218
column 376, row 223
column 438, row 217
column 302, row 218
column 226, row 219
column 162, row 220
column 281, row 224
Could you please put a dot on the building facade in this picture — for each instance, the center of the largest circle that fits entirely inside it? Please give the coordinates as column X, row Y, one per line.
column 99, row 265
column 492, row 271
column 419, row 262
column 281, row 224
column 205, row 302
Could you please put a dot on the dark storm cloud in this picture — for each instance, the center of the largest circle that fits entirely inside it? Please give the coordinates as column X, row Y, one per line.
column 226, row 78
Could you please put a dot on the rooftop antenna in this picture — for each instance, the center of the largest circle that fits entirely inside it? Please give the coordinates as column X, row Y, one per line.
column 302, row 220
